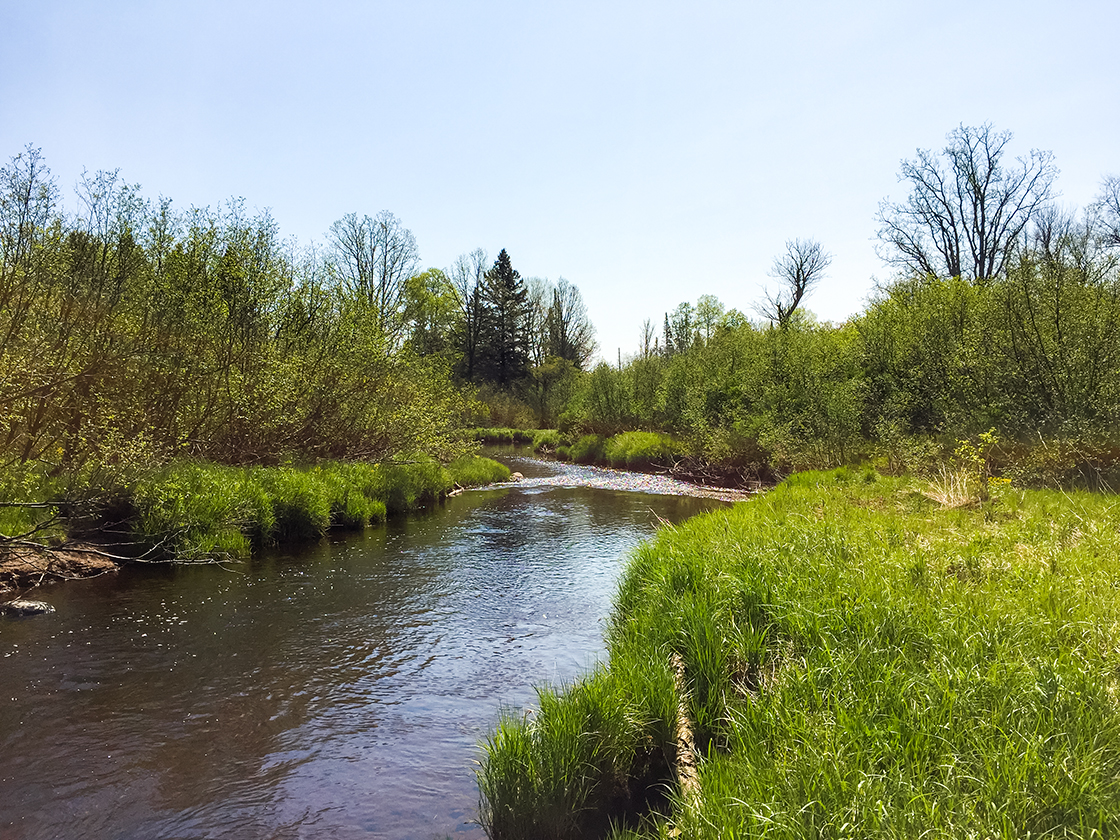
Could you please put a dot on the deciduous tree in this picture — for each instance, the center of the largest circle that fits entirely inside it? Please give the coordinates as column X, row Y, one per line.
column 967, row 208
column 373, row 259
column 798, row 271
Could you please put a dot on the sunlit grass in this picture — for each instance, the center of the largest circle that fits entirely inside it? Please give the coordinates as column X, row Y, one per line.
column 862, row 661
column 475, row 471
column 588, row 449
column 640, row 450
column 199, row 510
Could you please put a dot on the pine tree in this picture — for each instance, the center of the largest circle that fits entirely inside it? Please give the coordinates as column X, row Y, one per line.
column 504, row 342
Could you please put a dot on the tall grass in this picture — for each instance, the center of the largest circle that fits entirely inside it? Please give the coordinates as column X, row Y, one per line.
column 475, row 471
column 596, row 751
column 588, row 449
column 199, row 510
column 863, row 662
column 640, row 450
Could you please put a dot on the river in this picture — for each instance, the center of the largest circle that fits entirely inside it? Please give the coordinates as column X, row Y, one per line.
column 332, row 690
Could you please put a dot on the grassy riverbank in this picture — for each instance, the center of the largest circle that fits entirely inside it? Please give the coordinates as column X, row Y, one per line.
column 627, row 450
column 207, row 510
column 860, row 660
column 194, row 510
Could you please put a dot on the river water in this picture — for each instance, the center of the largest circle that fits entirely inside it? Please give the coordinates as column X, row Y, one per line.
column 337, row 690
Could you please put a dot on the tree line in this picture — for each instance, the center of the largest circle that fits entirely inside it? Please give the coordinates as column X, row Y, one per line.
column 1004, row 314
column 133, row 330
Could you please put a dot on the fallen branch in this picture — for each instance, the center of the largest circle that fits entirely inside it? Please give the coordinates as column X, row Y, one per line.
column 686, row 763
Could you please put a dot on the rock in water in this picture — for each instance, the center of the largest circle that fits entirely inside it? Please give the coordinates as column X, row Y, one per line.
column 515, row 476
column 22, row 606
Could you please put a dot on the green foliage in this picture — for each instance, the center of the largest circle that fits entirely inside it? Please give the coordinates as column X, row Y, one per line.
column 504, row 357
column 640, row 450
column 409, row 485
column 547, row 439
column 592, row 749
column 30, row 483
column 198, row 510
column 474, row 471
column 203, row 334
column 1033, row 354
column 588, row 449
column 503, row 435
column 850, row 647
column 301, row 502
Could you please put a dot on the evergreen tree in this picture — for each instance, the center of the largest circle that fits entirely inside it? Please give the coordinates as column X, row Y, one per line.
column 504, row 348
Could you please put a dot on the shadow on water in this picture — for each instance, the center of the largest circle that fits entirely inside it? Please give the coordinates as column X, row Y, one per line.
column 338, row 690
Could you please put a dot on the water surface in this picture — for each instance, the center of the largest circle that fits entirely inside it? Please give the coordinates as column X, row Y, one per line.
column 337, row 690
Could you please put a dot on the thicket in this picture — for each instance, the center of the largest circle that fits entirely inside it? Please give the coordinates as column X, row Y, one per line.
column 131, row 330
column 859, row 659
column 1033, row 354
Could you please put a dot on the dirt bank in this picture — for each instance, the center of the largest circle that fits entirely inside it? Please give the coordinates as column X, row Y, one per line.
column 25, row 567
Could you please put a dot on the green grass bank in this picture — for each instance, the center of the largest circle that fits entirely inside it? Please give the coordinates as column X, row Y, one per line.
column 635, row 450
column 203, row 510
column 860, row 660
column 195, row 510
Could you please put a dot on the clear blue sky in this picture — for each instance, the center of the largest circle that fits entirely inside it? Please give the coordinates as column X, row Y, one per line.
column 649, row 152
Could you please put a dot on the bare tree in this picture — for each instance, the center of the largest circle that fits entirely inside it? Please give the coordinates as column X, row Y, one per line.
column 798, row 271
column 539, row 302
column 467, row 277
column 649, row 340
column 966, row 209
column 373, row 259
column 1107, row 210
column 571, row 335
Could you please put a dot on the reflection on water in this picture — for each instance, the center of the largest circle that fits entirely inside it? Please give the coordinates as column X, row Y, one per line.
column 338, row 691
